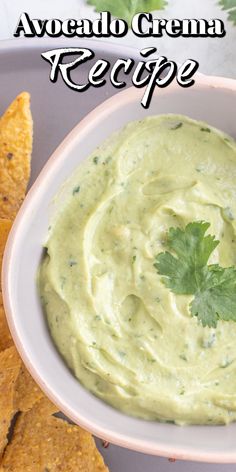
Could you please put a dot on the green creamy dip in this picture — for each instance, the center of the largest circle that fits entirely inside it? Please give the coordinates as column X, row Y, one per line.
column 124, row 334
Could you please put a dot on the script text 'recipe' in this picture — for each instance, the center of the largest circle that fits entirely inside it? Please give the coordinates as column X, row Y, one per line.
column 147, row 73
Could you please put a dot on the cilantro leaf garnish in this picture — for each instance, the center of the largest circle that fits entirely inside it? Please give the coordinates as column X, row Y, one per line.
column 126, row 9
column 186, row 273
column 217, row 299
column 230, row 6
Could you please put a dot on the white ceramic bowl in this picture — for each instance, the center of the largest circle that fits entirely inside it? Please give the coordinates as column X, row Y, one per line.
column 212, row 100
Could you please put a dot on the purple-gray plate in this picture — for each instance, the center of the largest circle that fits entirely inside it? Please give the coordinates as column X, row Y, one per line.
column 56, row 110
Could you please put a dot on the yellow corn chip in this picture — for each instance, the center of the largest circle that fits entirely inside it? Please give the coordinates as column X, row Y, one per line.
column 43, row 443
column 5, row 226
column 27, row 392
column 15, row 154
column 9, row 370
column 44, row 408
column 5, row 336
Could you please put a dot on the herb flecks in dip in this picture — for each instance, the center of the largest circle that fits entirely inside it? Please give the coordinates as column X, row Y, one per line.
column 126, row 336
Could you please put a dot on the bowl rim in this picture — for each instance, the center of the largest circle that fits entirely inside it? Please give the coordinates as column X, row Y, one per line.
column 82, row 128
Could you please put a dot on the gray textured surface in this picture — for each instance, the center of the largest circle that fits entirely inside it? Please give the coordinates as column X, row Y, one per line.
column 56, row 110
column 123, row 460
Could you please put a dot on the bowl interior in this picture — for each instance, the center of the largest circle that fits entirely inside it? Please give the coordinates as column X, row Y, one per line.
column 211, row 100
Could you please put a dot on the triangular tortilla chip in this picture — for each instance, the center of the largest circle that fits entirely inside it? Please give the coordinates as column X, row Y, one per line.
column 16, row 131
column 27, row 392
column 5, row 226
column 5, row 336
column 9, row 370
column 42, row 443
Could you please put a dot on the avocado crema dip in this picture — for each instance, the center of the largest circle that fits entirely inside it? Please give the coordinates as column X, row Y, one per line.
column 126, row 336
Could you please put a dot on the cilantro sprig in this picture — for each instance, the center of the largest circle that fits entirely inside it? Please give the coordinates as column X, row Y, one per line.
column 230, row 7
column 185, row 272
column 126, row 9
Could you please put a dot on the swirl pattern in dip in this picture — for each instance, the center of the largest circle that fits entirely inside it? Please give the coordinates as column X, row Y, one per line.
column 127, row 337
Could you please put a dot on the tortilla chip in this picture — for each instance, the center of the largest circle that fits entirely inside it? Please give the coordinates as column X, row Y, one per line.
column 44, row 408
column 16, row 131
column 43, row 443
column 9, row 370
column 5, row 335
column 27, row 392
column 5, row 226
